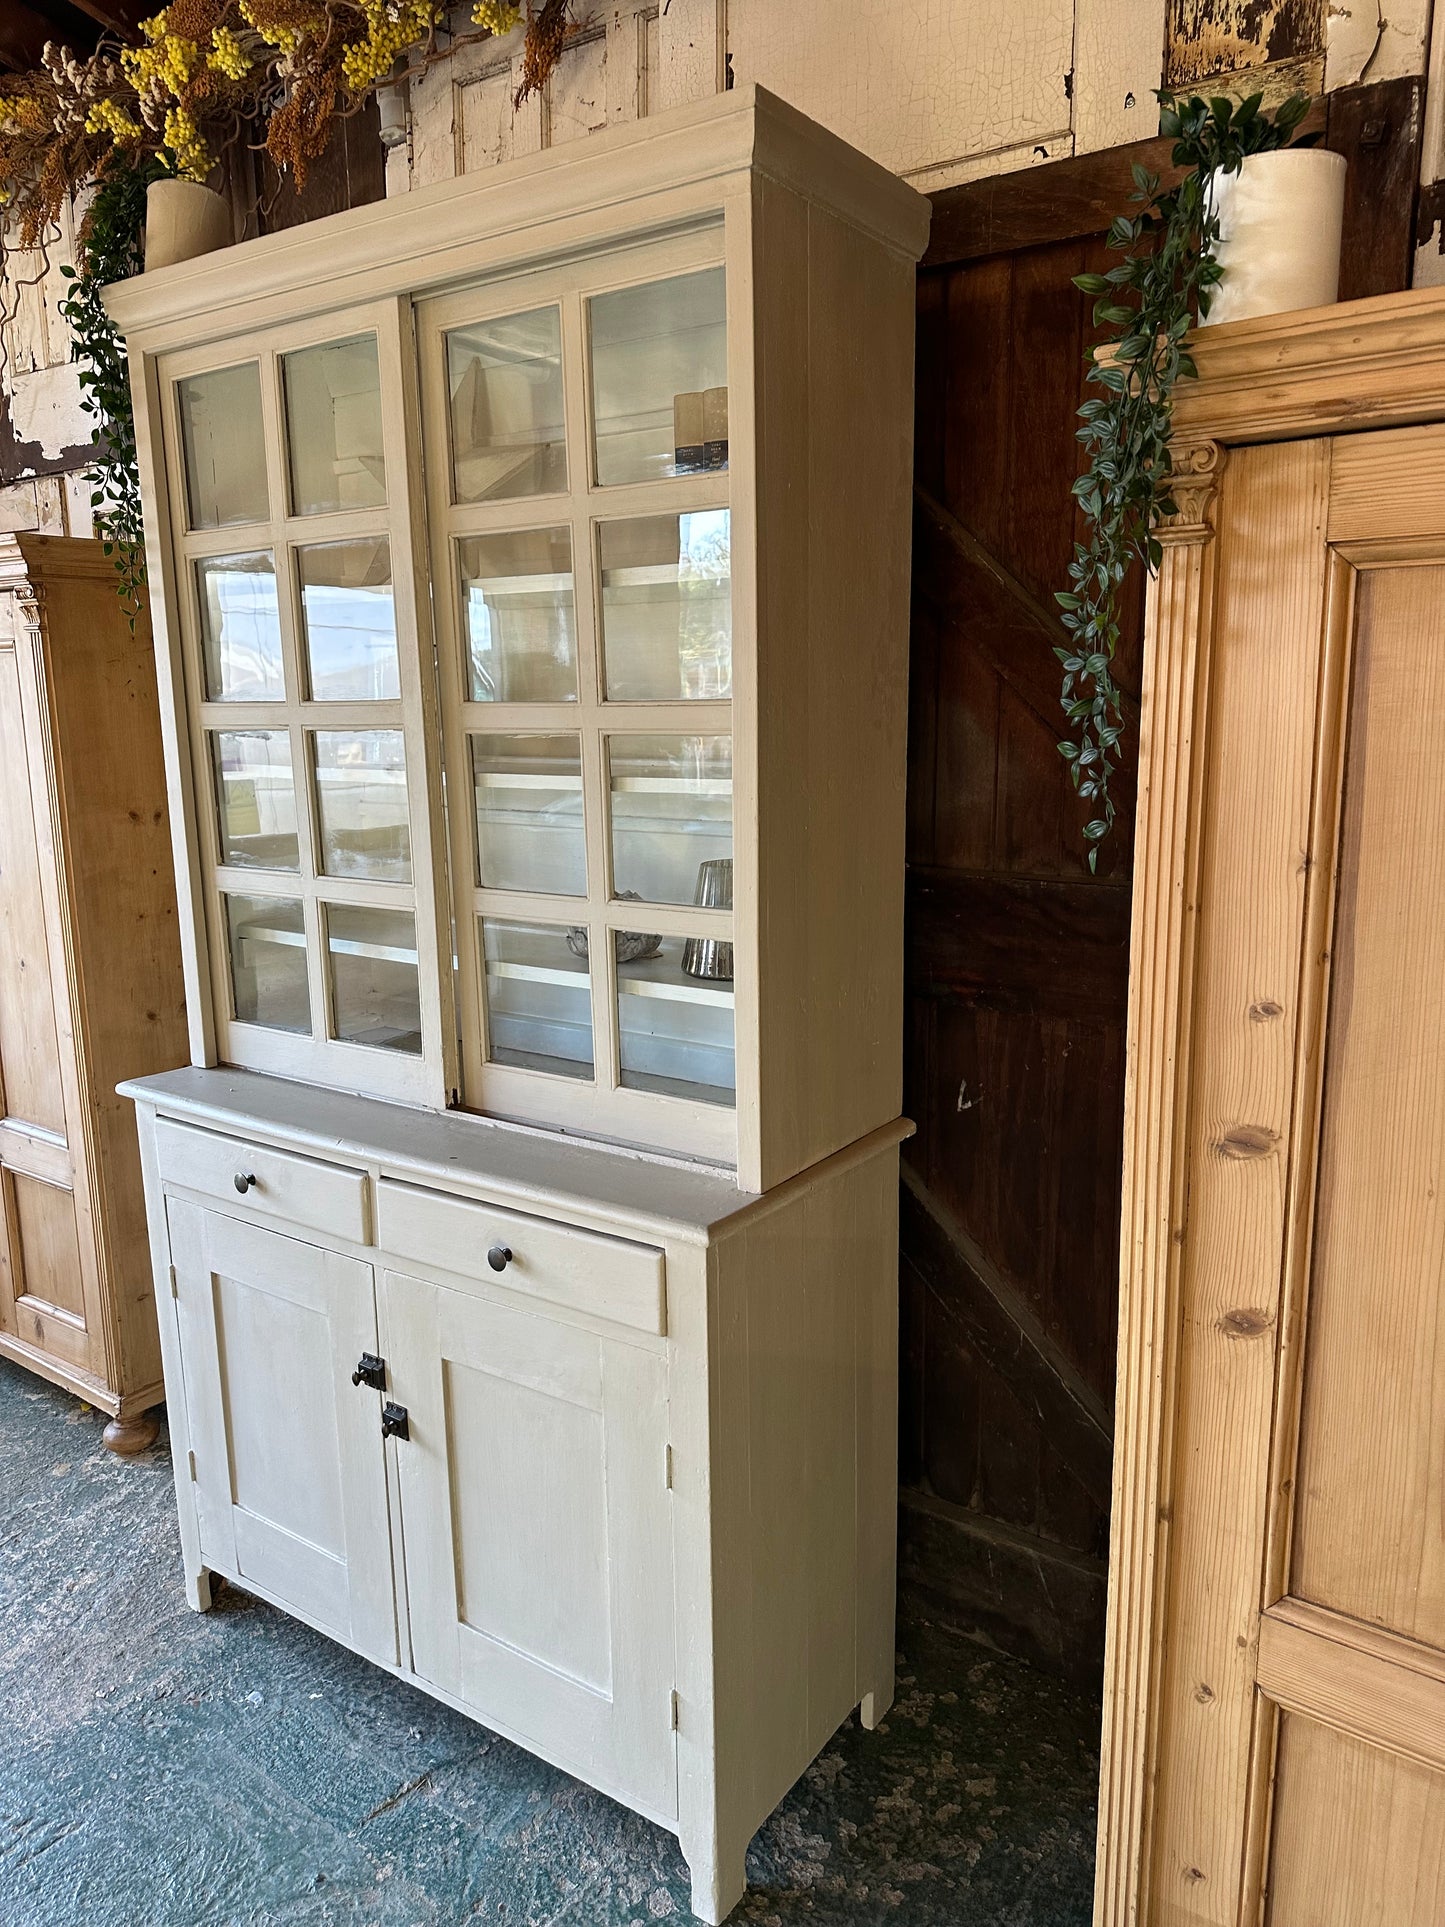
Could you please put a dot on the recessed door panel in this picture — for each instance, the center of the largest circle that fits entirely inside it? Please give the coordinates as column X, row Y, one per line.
column 538, row 1531
column 29, row 1052
column 529, row 1521
column 289, row 1462
column 1359, row 1834
column 1370, row 1516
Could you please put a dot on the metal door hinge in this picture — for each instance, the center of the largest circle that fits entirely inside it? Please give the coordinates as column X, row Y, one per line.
column 667, row 1466
column 191, row 1463
column 175, row 1289
column 673, row 1710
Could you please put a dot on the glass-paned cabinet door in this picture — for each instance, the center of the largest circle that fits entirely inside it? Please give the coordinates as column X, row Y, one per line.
column 582, row 544
column 295, row 566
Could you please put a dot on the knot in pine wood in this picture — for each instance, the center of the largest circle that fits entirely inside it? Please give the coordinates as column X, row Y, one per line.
column 1247, row 1322
column 1243, row 1141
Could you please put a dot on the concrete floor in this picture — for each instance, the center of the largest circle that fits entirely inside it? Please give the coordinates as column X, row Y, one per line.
column 160, row 1768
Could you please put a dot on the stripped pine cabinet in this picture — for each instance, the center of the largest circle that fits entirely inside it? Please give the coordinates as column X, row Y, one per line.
column 530, row 561
column 1275, row 1719
column 90, row 976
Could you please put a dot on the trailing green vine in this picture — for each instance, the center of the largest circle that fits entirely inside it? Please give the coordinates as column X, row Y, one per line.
column 111, row 247
column 1148, row 302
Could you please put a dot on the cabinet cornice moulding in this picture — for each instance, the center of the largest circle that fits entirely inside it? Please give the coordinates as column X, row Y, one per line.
column 1317, row 371
column 682, row 163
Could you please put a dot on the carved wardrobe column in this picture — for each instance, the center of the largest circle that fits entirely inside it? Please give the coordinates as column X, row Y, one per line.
column 1178, row 635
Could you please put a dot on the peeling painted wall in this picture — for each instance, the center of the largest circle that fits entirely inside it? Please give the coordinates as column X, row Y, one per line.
column 1209, row 37
column 44, row 436
column 939, row 90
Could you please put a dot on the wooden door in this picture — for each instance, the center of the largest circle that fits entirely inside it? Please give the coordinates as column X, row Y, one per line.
column 538, row 1531
column 49, row 1292
column 1275, row 1742
column 289, row 1467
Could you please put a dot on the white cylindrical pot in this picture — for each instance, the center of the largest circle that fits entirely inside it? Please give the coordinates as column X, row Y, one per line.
column 184, row 219
column 1280, row 220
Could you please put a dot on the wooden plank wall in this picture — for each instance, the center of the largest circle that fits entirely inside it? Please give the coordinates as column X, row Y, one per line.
column 1017, row 967
column 1017, row 959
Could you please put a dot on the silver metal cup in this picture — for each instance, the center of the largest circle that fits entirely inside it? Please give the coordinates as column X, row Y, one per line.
column 710, row 956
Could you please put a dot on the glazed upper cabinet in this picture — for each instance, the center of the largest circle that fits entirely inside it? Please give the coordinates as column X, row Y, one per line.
column 536, row 603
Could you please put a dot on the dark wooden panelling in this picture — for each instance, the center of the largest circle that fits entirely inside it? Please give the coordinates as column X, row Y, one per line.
column 1379, row 130
column 1376, row 127
column 1017, row 1591
column 1020, row 944
column 1016, row 975
column 991, row 1319
column 351, row 173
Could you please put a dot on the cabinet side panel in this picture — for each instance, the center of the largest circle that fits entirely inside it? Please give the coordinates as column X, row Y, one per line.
column 835, row 443
column 121, row 883
column 803, row 1478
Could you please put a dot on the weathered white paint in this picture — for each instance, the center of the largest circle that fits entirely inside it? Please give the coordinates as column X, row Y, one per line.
column 920, row 87
column 1369, row 40
column 40, row 390
column 45, row 409
column 940, row 91
column 1118, row 64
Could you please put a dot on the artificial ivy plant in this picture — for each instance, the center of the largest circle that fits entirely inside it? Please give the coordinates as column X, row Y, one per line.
column 1146, row 303
column 112, row 247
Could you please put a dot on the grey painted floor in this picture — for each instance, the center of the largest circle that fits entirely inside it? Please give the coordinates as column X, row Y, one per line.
column 160, row 1768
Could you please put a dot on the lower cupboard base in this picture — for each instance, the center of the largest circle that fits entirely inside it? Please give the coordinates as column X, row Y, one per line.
column 608, row 1463
column 717, row 1870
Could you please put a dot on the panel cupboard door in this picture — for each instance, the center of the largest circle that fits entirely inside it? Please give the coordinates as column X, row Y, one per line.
column 539, row 1550
column 289, row 1467
column 1295, row 1771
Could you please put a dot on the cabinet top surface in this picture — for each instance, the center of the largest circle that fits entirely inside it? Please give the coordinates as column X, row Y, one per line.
column 510, row 1162
column 669, row 168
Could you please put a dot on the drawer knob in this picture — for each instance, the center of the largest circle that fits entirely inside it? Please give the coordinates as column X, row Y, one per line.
column 395, row 1421
column 370, row 1370
column 499, row 1257
column 243, row 1181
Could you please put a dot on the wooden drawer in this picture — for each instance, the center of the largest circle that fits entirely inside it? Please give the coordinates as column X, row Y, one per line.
column 326, row 1198
column 609, row 1277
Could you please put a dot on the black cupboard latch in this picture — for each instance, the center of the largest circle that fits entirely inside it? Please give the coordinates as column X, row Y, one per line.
column 394, row 1422
column 370, row 1370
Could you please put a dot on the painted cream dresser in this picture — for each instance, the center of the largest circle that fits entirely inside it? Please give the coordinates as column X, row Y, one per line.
column 530, row 561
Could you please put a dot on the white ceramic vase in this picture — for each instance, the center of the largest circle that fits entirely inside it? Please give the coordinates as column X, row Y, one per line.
column 1280, row 221
column 183, row 219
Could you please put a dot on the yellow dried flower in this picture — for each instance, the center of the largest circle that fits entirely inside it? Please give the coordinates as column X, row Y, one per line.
column 192, row 158
column 227, row 55
column 390, row 30
column 28, row 111
column 109, row 117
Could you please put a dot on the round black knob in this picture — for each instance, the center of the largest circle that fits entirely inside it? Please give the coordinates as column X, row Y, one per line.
column 243, row 1181
column 499, row 1257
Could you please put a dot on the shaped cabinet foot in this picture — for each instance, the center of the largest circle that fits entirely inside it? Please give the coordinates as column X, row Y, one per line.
column 126, row 1436
column 719, row 1879
column 873, row 1707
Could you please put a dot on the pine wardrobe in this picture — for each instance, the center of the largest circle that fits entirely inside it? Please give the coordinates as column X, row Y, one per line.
column 530, row 566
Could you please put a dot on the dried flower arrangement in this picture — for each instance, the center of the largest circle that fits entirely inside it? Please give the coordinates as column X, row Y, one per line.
column 202, row 78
